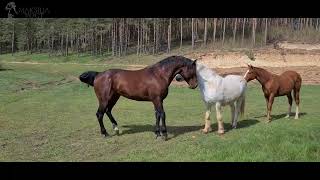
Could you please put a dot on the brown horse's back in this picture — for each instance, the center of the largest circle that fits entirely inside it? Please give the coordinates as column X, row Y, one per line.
column 140, row 85
column 288, row 81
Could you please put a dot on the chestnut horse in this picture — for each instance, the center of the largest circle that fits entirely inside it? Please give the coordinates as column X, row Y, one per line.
column 276, row 85
column 148, row 84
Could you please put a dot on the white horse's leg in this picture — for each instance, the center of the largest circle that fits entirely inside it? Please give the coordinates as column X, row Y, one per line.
column 237, row 113
column 219, row 118
column 207, row 127
column 232, row 112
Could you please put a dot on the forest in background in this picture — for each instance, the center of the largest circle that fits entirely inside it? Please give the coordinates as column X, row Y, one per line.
column 141, row 36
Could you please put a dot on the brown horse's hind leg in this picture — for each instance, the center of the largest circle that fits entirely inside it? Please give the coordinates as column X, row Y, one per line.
column 111, row 104
column 290, row 104
column 99, row 115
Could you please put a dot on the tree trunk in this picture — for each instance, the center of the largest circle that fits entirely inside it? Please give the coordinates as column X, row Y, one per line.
column 71, row 42
column 254, row 21
column 120, row 36
column 214, row 29
column 12, row 41
column 235, row 31
column 138, row 38
column 61, row 44
column 224, row 30
column 113, row 39
column 265, row 31
column 157, row 36
column 205, row 31
column 67, row 45
column 181, row 35
column 154, row 36
column 192, row 32
column 169, row 36
column 243, row 26
column 101, row 40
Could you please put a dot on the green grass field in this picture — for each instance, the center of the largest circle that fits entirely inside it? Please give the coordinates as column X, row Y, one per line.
column 46, row 114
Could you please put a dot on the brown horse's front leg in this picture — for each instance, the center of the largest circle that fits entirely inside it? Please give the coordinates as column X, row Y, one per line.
column 160, row 114
column 270, row 102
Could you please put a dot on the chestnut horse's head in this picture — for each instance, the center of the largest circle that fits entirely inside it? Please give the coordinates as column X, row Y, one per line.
column 188, row 73
column 251, row 73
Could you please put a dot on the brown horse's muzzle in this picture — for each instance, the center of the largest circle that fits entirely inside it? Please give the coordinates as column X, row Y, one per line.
column 193, row 86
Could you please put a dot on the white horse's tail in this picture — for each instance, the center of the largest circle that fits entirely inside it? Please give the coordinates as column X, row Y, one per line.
column 243, row 104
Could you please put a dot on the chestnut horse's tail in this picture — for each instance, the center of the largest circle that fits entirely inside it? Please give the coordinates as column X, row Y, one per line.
column 88, row 77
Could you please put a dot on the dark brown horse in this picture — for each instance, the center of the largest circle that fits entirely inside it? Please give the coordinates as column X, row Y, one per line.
column 277, row 85
column 148, row 84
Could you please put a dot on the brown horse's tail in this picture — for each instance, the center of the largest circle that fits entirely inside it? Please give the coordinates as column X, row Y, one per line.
column 88, row 77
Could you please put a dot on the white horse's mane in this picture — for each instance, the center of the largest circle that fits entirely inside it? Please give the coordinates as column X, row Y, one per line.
column 205, row 72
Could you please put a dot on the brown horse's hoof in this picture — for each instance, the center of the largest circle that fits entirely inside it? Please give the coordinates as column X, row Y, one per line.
column 117, row 132
column 164, row 138
column 106, row 135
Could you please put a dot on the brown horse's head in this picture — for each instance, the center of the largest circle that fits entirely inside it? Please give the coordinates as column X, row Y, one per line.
column 251, row 73
column 188, row 73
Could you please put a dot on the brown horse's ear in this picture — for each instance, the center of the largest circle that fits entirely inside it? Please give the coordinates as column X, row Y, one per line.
column 194, row 62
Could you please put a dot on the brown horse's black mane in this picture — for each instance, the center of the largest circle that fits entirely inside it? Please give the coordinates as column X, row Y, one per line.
column 174, row 60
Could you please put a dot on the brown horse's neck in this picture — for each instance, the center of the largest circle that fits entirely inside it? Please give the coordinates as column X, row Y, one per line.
column 263, row 76
column 169, row 68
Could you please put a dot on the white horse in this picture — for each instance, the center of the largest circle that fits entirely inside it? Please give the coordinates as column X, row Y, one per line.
column 220, row 91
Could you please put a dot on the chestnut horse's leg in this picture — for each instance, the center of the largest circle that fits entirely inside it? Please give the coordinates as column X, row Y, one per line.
column 111, row 104
column 267, row 102
column 270, row 102
column 160, row 114
column 296, row 94
column 290, row 104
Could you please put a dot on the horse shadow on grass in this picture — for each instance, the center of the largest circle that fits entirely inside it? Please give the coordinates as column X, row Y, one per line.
column 4, row 69
column 179, row 130
column 279, row 116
